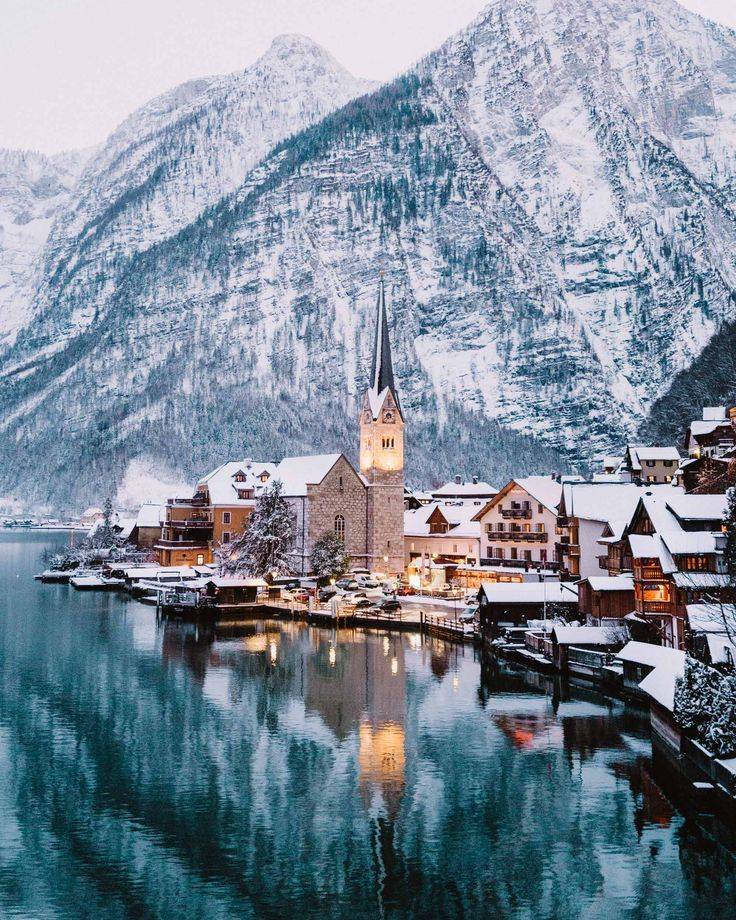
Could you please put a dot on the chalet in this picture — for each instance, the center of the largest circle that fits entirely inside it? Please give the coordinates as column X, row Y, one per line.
column 442, row 534
column 711, row 633
column 587, row 512
column 605, row 599
column 213, row 514
column 518, row 524
column 676, row 544
column 654, row 465
column 707, row 475
column 713, row 435
column 572, row 645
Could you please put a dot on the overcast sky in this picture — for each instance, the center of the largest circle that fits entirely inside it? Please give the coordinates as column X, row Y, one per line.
column 73, row 69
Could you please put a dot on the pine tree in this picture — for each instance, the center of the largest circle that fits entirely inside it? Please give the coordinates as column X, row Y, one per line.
column 720, row 735
column 330, row 559
column 729, row 555
column 105, row 537
column 695, row 693
column 266, row 544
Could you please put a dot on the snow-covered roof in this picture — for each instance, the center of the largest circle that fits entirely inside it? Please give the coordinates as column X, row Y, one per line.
column 700, row 580
column 697, row 507
column 221, row 484
column 640, row 453
column 714, row 413
column 699, row 429
column 151, row 514
column 710, row 620
column 458, row 517
column 604, row 501
column 465, row 490
column 296, row 473
column 583, row 635
column 543, row 489
column 530, row 592
column 690, row 542
column 660, row 684
column 648, row 654
column 224, row 581
column 611, row 582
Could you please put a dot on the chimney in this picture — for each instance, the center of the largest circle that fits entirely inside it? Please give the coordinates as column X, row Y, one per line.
column 458, row 480
column 475, row 480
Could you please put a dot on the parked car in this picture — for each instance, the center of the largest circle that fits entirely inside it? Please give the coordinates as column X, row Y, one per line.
column 388, row 606
column 347, row 584
column 405, row 591
column 364, row 603
column 298, row 595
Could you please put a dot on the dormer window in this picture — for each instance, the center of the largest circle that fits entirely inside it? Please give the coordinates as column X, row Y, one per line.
column 239, row 476
column 264, row 477
column 245, row 493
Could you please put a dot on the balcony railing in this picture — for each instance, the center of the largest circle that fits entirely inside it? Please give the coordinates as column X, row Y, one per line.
column 191, row 524
column 194, row 501
column 181, row 544
column 526, row 564
column 518, row 536
column 655, row 606
column 516, row 513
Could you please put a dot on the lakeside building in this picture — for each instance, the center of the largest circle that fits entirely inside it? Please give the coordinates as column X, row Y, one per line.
column 364, row 507
column 518, row 523
column 440, row 534
column 713, row 435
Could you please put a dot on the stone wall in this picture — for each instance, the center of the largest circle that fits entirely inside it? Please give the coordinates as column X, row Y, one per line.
column 341, row 492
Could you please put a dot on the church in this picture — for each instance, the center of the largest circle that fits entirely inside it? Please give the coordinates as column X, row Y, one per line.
column 364, row 507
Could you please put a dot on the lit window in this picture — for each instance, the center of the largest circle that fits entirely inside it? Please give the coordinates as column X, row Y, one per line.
column 340, row 527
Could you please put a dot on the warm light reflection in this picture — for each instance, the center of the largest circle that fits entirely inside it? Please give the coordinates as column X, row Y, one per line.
column 394, row 665
column 333, row 655
column 455, row 682
column 381, row 756
column 257, row 643
column 273, row 651
column 385, row 646
column 415, row 641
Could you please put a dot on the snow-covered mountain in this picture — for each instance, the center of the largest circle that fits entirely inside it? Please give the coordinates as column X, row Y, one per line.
column 552, row 198
column 34, row 189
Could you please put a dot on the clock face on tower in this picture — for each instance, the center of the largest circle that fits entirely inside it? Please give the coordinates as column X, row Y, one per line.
column 367, row 418
column 388, row 416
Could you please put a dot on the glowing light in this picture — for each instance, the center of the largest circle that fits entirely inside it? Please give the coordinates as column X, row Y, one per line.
column 332, row 655
column 394, row 665
column 455, row 683
column 385, row 645
column 415, row 641
column 273, row 650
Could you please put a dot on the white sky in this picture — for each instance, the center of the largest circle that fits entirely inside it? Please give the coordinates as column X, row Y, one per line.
column 71, row 70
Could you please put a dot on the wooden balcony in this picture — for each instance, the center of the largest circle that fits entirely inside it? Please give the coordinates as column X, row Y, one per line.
column 517, row 536
column 190, row 524
column 516, row 513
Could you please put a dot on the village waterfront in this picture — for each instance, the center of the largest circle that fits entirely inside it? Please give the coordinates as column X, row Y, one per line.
column 154, row 769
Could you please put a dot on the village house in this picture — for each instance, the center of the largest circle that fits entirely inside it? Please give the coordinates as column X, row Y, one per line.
column 146, row 532
column 589, row 512
column 364, row 508
column 712, row 436
column 518, row 524
column 503, row 605
column 217, row 510
column 437, row 536
column 606, row 599
column 653, row 465
column 676, row 545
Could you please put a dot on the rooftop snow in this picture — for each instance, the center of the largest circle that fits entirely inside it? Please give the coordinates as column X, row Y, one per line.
column 296, row 473
column 530, row 592
column 611, row 582
column 583, row 635
column 652, row 655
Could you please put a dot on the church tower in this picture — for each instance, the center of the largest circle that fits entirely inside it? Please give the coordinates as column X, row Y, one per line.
column 382, row 455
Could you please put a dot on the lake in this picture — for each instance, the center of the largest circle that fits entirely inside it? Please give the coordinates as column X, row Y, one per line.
column 149, row 769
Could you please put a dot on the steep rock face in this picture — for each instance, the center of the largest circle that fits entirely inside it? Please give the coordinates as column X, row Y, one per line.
column 551, row 196
column 34, row 189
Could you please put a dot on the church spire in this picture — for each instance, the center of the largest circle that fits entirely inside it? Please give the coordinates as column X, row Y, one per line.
column 382, row 371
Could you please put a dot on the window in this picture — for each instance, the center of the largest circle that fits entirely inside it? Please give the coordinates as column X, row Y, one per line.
column 649, row 462
column 341, row 483
column 454, row 548
column 527, row 528
column 225, row 517
column 340, row 527
column 528, row 555
column 542, row 555
column 200, row 558
column 540, row 509
column 651, row 478
column 500, row 527
column 514, row 553
column 499, row 553
column 668, row 462
column 540, row 528
column 226, row 536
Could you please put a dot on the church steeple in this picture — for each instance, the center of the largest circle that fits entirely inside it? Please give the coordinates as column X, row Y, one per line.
column 382, row 370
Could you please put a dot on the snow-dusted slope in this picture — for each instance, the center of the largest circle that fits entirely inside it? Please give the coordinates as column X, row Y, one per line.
column 33, row 190
column 551, row 195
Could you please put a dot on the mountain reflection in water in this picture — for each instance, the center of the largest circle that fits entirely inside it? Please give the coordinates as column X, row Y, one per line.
column 274, row 769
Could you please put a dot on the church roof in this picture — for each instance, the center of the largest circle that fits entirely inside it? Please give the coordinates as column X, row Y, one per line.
column 382, row 371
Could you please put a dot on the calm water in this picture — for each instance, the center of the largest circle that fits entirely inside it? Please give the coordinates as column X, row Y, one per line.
column 279, row 771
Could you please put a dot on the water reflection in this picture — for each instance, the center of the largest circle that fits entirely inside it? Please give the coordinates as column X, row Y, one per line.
column 274, row 769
